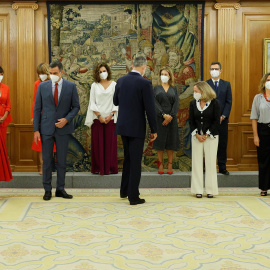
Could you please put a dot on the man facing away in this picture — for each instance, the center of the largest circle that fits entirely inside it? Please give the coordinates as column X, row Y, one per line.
column 57, row 103
column 134, row 96
column 224, row 96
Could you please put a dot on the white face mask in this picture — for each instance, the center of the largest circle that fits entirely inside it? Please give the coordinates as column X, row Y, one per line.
column 215, row 73
column 103, row 75
column 197, row 96
column 143, row 72
column 43, row 77
column 267, row 85
column 1, row 78
column 164, row 78
column 54, row 78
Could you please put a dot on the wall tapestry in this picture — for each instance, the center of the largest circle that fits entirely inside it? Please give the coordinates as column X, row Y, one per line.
column 83, row 34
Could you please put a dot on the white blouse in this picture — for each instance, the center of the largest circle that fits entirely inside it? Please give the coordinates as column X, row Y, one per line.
column 101, row 100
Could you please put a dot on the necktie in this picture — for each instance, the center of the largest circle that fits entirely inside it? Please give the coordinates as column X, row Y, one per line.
column 56, row 94
column 216, row 87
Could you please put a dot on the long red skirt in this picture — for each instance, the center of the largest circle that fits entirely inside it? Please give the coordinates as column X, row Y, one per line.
column 103, row 148
column 5, row 171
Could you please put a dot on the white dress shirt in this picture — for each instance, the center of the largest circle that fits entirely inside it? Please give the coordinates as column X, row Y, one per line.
column 101, row 100
column 59, row 87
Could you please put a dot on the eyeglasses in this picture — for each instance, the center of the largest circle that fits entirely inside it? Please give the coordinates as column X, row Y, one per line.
column 214, row 68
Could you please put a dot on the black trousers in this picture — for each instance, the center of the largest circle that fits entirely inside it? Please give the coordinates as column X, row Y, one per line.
column 131, row 175
column 263, row 155
column 222, row 144
column 61, row 142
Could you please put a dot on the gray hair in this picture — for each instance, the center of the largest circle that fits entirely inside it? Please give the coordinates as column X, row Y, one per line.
column 139, row 61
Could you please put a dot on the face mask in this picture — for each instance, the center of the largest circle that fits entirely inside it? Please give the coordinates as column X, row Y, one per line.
column 164, row 79
column 43, row 77
column 215, row 73
column 54, row 78
column 267, row 85
column 197, row 96
column 1, row 78
column 103, row 75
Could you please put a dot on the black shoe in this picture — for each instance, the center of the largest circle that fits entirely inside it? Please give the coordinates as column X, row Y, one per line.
column 225, row 172
column 210, row 196
column 138, row 201
column 62, row 194
column 123, row 195
column 47, row 196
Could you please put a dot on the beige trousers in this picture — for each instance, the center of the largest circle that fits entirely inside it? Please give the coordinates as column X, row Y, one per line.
column 208, row 149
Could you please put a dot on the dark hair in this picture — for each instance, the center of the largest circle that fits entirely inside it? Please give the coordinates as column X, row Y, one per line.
column 216, row 63
column 1, row 70
column 56, row 63
column 96, row 72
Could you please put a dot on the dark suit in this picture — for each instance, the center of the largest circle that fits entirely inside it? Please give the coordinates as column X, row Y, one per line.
column 224, row 96
column 45, row 117
column 134, row 96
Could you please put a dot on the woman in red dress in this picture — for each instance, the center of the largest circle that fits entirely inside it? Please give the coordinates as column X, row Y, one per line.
column 44, row 75
column 5, row 119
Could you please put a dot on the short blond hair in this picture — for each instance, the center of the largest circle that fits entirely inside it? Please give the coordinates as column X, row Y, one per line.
column 43, row 68
column 262, row 83
column 207, row 92
column 171, row 80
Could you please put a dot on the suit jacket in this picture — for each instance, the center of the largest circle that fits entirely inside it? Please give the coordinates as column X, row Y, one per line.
column 134, row 96
column 67, row 107
column 5, row 104
column 209, row 119
column 224, row 96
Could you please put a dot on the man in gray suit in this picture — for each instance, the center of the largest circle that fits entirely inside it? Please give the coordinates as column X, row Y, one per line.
column 57, row 103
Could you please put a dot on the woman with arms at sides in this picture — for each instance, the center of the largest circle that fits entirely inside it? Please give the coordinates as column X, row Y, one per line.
column 5, row 119
column 101, row 117
column 43, row 75
column 260, row 118
column 167, row 104
column 204, row 120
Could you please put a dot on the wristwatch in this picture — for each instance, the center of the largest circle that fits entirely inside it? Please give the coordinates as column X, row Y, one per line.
column 112, row 114
column 98, row 116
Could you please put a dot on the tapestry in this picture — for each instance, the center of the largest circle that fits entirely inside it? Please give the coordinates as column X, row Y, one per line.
column 81, row 35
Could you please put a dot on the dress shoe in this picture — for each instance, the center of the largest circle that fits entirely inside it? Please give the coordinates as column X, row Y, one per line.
column 62, row 194
column 47, row 196
column 123, row 195
column 225, row 172
column 138, row 201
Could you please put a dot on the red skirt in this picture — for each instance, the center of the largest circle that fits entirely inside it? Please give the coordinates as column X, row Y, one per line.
column 103, row 148
column 38, row 147
column 5, row 171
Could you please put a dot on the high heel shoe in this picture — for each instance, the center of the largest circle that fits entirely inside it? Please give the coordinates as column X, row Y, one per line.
column 171, row 171
column 158, row 165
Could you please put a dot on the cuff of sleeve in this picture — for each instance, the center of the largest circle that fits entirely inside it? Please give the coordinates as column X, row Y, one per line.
column 194, row 132
column 209, row 134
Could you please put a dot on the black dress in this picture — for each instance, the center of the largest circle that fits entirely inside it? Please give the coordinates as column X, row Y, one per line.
column 166, row 103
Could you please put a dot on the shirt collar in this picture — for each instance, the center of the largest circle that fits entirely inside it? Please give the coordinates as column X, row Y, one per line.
column 133, row 70
column 215, row 81
column 59, row 83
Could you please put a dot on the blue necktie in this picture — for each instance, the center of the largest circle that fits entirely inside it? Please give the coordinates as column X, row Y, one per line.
column 216, row 87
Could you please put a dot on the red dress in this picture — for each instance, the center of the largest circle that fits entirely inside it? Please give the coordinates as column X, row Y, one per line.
column 5, row 171
column 37, row 147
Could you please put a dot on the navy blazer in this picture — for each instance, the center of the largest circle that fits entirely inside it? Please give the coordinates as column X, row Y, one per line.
column 224, row 96
column 46, row 113
column 134, row 96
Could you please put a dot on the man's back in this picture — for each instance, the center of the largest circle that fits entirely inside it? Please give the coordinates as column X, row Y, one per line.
column 134, row 95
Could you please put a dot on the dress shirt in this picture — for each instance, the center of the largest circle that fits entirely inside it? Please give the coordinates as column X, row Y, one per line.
column 216, row 81
column 59, row 87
